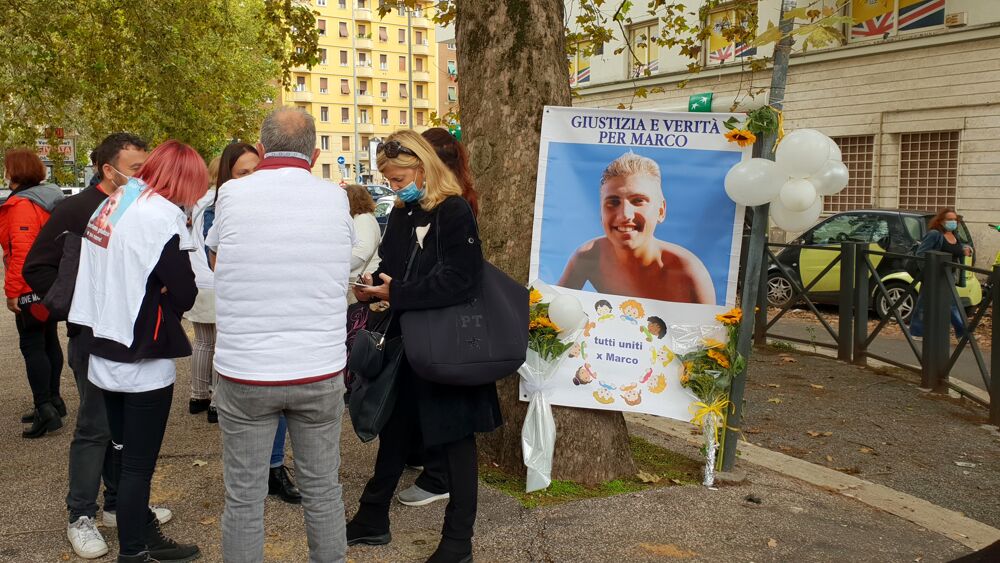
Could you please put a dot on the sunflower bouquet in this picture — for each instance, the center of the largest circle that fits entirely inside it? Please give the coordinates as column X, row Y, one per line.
column 543, row 333
column 708, row 371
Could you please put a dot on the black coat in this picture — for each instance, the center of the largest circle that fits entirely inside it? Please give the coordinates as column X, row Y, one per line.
column 447, row 412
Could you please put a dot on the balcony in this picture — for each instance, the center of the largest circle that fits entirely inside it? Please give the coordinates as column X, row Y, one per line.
column 363, row 155
column 366, row 128
column 420, row 76
column 422, row 103
column 421, row 49
column 363, row 42
column 363, row 14
column 421, row 22
column 365, row 99
column 301, row 96
column 364, row 70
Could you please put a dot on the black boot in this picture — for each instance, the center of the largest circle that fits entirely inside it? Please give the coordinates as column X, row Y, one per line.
column 165, row 550
column 57, row 402
column 280, row 483
column 143, row 557
column 196, row 406
column 46, row 420
column 452, row 551
column 359, row 534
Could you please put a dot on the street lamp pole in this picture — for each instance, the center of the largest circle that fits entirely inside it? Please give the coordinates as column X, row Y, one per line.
column 409, row 62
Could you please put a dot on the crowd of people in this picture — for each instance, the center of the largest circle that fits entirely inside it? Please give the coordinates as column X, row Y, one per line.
column 276, row 270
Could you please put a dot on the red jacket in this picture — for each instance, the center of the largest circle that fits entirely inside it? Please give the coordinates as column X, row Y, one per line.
column 21, row 218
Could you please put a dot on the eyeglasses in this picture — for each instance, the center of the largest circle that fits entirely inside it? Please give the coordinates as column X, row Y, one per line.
column 392, row 149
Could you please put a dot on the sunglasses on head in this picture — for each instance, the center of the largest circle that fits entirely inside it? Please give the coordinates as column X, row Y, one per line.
column 392, row 149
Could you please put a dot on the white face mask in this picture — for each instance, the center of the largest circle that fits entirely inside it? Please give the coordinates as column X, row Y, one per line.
column 127, row 178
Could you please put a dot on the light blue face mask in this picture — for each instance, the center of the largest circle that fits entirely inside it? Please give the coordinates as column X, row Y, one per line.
column 410, row 193
column 951, row 225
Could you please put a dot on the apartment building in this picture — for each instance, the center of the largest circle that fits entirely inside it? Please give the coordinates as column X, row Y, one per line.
column 375, row 76
column 911, row 96
column 447, row 73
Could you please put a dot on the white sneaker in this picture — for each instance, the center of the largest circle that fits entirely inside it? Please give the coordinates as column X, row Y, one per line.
column 85, row 538
column 162, row 514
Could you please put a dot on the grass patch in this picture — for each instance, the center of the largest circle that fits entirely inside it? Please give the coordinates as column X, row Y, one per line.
column 672, row 469
column 782, row 346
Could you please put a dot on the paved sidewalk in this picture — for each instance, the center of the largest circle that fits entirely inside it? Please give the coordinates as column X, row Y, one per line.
column 795, row 521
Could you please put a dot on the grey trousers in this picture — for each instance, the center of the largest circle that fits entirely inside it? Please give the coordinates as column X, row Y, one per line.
column 248, row 417
column 90, row 456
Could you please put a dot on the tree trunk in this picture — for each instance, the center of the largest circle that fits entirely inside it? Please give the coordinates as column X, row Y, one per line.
column 512, row 62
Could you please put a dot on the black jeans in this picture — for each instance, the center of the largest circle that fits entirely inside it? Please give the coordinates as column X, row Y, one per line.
column 43, row 358
column 401, row 437
column 137, row 421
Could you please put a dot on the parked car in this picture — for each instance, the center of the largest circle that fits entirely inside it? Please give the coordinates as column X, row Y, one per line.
column 383, row 206
column 892, row 230
column 379, row 191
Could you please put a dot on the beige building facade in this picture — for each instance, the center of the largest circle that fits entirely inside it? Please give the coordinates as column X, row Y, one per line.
column 912, row 97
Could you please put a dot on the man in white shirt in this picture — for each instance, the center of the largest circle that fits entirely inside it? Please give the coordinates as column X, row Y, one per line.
column 283, row 241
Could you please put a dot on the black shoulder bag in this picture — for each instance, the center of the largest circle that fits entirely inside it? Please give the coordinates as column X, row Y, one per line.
column 479, row 341
column 374, row 364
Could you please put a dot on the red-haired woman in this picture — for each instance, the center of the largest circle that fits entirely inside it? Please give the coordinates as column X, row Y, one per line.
column 134, row 283
column 941, row 236
column 21, row 218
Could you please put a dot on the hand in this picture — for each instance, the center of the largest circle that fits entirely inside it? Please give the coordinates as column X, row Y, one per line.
column 381, row 292
column 363, row 292
column 12, row 305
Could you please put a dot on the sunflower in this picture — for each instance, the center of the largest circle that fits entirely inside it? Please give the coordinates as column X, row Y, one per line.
column 719, row 358
column 732, row 317
column 713, row 343
column 741, row 137
column 543, row 322
column 535, row 297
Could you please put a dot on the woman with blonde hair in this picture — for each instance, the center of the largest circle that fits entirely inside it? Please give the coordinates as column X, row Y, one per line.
column 432, row 234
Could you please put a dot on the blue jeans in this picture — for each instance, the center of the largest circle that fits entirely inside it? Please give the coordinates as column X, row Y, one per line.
column 278, row 449
column 917, row 320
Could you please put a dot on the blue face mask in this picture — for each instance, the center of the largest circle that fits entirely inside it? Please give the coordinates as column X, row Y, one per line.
column 410, row 193
column 951, row 225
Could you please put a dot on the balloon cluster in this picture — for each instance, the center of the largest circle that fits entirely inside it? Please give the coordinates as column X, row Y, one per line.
column 807, row 166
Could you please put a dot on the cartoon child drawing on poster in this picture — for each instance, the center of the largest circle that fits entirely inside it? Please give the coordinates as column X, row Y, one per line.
column 629, row 259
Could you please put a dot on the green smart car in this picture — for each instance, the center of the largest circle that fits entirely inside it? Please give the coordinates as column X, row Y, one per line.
column 892, row 230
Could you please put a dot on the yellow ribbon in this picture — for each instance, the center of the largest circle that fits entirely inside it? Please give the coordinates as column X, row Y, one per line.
column 781, row 128
column 700, row 410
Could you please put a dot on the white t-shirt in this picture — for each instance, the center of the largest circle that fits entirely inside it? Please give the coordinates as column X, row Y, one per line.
column 135, row 377
column 283, row 239
column 365, row 258
column 204, row 278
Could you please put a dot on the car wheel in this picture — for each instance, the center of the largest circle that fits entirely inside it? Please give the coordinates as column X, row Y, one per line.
column 779, row 289
column 895, row 291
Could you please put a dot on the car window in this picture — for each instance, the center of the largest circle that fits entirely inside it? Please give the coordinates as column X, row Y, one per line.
column 852, row 228
column 383, row 209
column 915, row 227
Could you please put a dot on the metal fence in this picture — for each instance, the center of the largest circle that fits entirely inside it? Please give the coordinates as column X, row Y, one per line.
column 861, row 285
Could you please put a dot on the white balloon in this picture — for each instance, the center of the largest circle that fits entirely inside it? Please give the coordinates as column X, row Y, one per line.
column 796, row 221
column 797, row 195
column 567, row 312
column 831, row 179
column 754, row 182
column 803, row 152
column 835, row 153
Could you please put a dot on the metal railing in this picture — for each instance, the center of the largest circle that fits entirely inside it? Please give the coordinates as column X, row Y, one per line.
column 861, row 285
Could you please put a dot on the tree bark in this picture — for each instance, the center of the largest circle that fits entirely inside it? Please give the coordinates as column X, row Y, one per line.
column 512, row 63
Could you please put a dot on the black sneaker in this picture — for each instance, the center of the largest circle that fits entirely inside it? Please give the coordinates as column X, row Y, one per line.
column 165, row 550
column 212, row 415
column 279, row 483
column 196, row 406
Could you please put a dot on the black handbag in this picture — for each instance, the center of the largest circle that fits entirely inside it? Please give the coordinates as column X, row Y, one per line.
column 479, row 341
column 374, row 365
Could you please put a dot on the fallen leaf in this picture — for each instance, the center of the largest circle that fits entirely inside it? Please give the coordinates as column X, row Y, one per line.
column 64, row 556
column 753, row 499
column 772, row 543
column 815, row 386
column 775, row 385
column 774, row 400
column 965, row 464
column 667, row 550
column 789, row 360
column 199, row 463
column 646, row 477
column 828, row 433
column 866, row 450
column 814, row 434
column 208, row 521
column 829, row 459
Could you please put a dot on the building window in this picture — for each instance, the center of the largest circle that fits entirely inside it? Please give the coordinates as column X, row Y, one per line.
column 402, row 35
column 345, row 87
column 326, row 171
column 402, row 117
column 345, row 143
column 343, row 58
column 383, row 62
column 385, row 117
column 383, row 89
column 321, row 2
column 420, row 118
column 345, row 115
column 402, row 90
column 343, row 29
column 452, row 70
column 418, row 64
column 451, row 46
column 645, row 49
column 342, row 4
column 362, row 4
column 419, row 39
column 452, row 94
column 322, row 56
column 859, row 156
column 383, row 34
column 882, row 19
column 928, row 169
column 420, row 91
column 324, row 142
column 324, row 113
column 362, row 87
column 363, row 31
column 323, row 85
column 579, row 64
column 321, row 26
column 300, row 83
column 363, row 59
column 363, row 116
column 365, row 141
column 721, row 49
column 402, row 63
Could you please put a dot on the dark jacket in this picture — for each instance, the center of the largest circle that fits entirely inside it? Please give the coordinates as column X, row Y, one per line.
column 934, row 240
column 41, row 267
column 447, row 413
column 157, row 332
